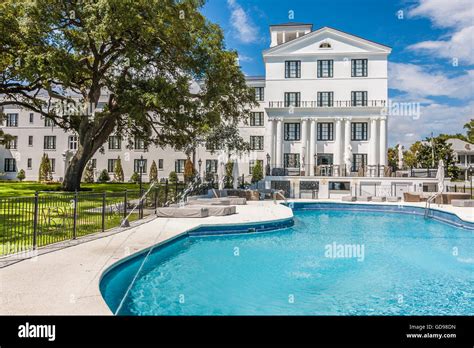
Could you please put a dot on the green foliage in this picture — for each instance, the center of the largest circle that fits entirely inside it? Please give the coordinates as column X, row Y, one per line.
column 189, row 171
column 144, row 53
column 135, row 177
column 437, row 149
column 153, row 172
column 469, row 127
column 257, row 172
column 21, row 175
column 118, row 170
column 392, row 155
column 45, row 171
column 173, row 178
column 88, row 176
column 104, row 176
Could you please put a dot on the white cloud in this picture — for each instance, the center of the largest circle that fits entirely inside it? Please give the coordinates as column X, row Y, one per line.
column 244, row 58
column 243, row 27
column 436, row 118
column 457, row 15
column 418, row 83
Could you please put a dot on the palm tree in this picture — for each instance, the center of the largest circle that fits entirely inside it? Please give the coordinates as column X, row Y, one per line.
column 470, row 130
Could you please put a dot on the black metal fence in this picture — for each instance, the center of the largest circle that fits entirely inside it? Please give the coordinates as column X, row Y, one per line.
column 30, row 222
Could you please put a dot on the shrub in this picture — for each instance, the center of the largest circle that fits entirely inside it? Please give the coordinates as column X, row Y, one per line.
column 188, row 171
column 88, row 175
column 118, row 170
column 21, row 175
column 104, row 176
column 257, row 172
column 135, row 177
column 153, row 172
column 228, row 178
column 45, row 172
column 173, row 178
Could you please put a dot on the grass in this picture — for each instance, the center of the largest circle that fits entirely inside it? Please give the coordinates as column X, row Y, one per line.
column 55, row 219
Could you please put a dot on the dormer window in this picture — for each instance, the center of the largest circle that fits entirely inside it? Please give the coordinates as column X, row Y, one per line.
column 325, row 45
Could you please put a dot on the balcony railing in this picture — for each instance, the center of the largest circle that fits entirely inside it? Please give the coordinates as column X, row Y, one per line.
column 332, row 170
column 334, row 104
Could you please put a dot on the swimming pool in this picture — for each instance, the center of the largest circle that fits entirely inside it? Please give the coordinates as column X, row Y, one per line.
column 330, row 262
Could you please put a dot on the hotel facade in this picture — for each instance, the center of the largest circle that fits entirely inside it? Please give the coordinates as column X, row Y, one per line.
column 321, row 115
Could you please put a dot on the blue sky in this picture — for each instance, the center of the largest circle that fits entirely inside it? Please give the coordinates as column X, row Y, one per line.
column 432, row 61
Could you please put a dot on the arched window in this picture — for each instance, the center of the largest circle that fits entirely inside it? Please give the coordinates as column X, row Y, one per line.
column 325, row 45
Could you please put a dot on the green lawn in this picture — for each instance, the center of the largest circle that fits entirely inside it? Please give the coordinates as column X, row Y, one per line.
column 19, row 189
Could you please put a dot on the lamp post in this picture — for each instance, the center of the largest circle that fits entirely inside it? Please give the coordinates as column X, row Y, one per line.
column 315, row 164
column 200, row 164
column 268, row 164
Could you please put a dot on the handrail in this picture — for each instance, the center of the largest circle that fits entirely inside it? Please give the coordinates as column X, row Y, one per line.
column 278, row 193
column 429, row 201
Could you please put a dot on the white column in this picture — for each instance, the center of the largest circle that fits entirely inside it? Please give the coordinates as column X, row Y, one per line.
column 337, row 146
column 304, row 145
column 373, row 158
column 383, row 141
column 312, row 145
column 271, row 145
column 278, row 159
column 347, row 140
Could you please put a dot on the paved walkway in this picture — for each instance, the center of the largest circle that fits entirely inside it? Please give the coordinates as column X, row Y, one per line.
column 66, row 281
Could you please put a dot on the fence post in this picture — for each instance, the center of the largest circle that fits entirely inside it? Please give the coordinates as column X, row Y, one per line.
column 176, row 191
column 140, row 202
column 166, row 191
column 125, row 204
column 35, row 221
column 74, row 228
column 156, row 197
column 103, row 210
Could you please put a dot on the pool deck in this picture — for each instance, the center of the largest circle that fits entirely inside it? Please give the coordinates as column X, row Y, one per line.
column 66, row 281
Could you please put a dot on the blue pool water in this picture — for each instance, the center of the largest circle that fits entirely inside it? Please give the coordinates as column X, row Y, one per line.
column 405, row 265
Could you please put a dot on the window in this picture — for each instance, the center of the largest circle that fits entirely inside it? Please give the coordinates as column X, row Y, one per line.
column 115, row 142
column 179, row 165
column 111, row 164
column 52, row 163
column 325, row 131
column 359, row 131
column 291, row 160
column 72, row 141
column 256, row 119
column 253, row 163
column 49, row 142
column 30, row 140
column 256, row 142
column 29, row 163
column 10, row 165
column 12, row 120
column 339, row 186
column 292, row 69
column 160, row 164
column 259, row 93
column 94, row 163
column 359, row 67
column 324, row 159
column 359, row 98
column 325, row 98
column 136, row 165
column 292, row 131
column 31, row 117
column 48, row 122
column 325, row 45
column 292, row 99
column 211, row 166
column 12, row 144
column 325, row 68
column 139, row 144
column 358, row 160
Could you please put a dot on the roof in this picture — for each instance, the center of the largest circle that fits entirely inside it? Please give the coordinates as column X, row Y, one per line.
column 459, row 145
column 254, row 78
column 315, row 32
column 291, row 24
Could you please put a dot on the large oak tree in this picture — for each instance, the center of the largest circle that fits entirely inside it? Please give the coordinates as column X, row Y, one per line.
column 146, row 56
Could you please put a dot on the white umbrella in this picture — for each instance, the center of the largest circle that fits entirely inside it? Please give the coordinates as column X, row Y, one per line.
column 440, row 176
column 220, row 174
column 348, row 158
column 400, row 156
column 235, row 174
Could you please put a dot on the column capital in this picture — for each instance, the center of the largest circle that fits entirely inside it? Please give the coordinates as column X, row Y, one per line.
column 313, row 119
column 306, row 118
column 383, row 118
column 338, row 119
column 348, row 118
column 275, row 119
column 374, row 119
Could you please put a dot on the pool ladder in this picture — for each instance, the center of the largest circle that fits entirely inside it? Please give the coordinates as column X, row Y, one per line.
column 428, row 203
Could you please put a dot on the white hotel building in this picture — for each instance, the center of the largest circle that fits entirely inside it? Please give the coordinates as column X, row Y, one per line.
column 320, row 119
